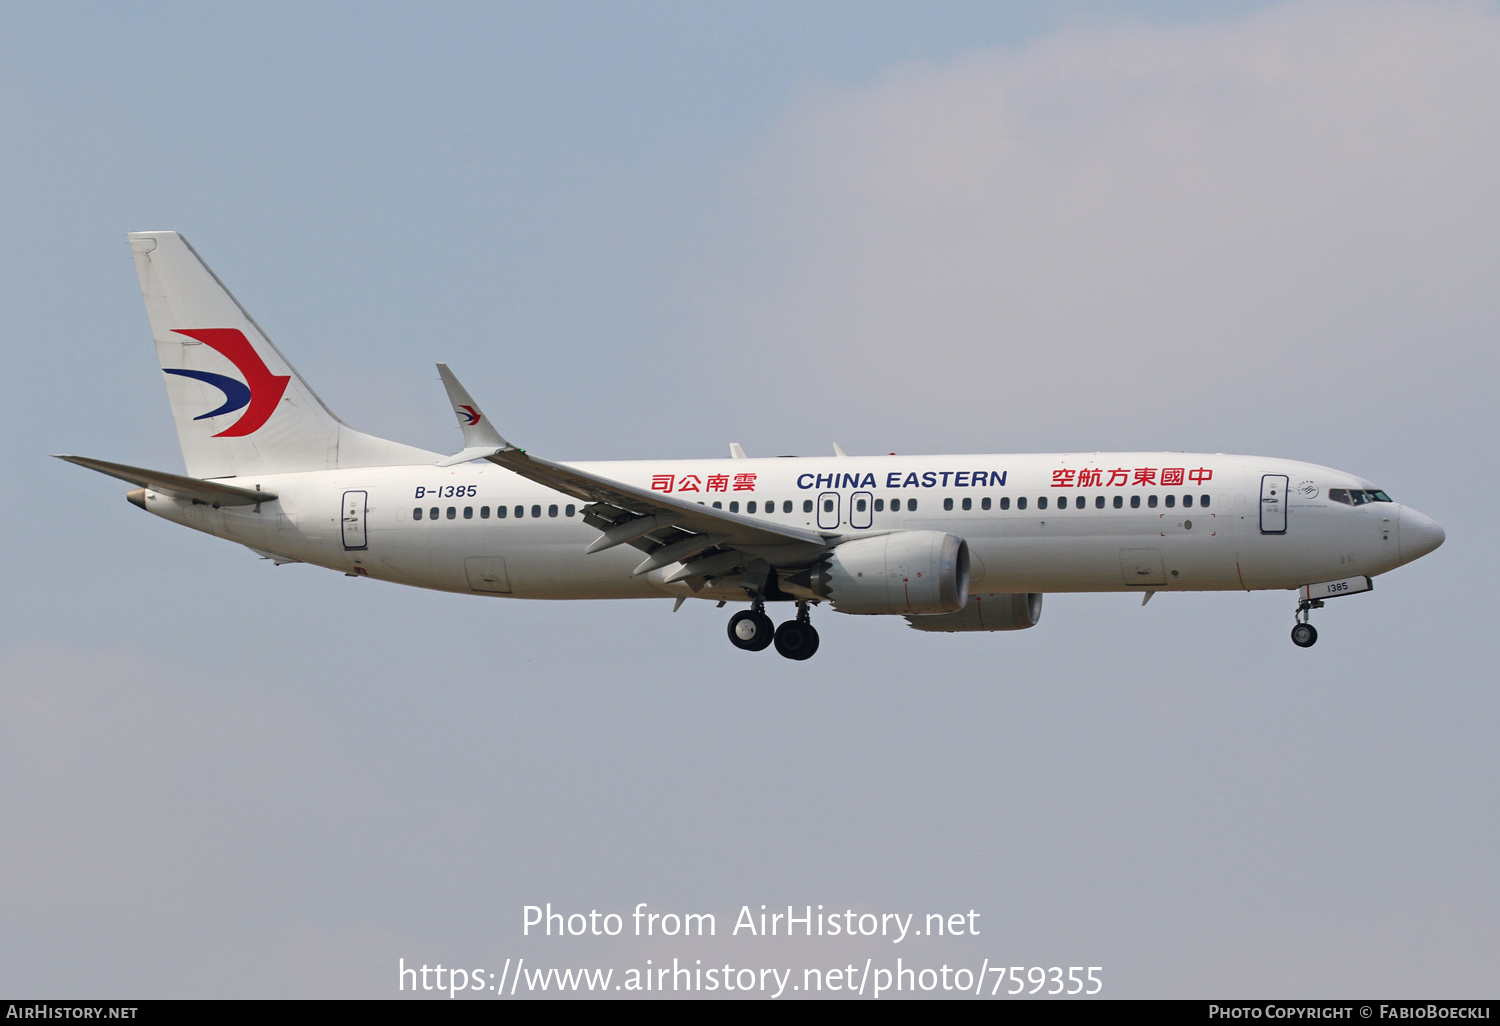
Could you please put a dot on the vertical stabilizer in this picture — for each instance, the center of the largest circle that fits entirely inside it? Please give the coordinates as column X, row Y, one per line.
column 240, row 407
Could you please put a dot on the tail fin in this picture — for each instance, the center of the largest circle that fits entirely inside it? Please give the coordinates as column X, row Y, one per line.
column 240, row 407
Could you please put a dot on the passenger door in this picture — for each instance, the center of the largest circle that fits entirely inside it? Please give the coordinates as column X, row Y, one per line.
column 1273, row 503
column 353, row 519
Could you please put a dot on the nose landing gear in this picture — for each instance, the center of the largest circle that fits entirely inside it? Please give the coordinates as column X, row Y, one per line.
column 1304, row 634
column 751, row 630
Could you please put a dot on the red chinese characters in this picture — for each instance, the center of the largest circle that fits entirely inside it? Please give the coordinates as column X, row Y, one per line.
column 1119, row 477
column 703, row 483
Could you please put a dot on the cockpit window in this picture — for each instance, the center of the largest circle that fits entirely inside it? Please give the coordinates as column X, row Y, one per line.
column 1357, row 496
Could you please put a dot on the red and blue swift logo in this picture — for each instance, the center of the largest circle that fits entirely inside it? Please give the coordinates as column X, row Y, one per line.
column 261, row 390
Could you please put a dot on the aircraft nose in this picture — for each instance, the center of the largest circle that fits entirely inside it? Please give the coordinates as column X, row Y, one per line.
column 1418, row 534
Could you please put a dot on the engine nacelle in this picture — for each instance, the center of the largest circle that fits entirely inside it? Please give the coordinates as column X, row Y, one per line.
column 987, row 612
column 915, row 572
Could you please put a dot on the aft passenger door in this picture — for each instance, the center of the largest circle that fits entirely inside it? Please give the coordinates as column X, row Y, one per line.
column 354, row 519
column 1273, row 503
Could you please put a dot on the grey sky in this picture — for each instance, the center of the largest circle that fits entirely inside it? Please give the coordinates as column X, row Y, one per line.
column 647, row 232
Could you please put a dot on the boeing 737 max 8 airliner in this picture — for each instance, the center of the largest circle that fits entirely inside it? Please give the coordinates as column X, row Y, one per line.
column 951, row 543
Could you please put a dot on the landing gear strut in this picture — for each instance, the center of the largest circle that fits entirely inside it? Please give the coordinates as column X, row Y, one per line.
column 751, row 629
column 797, row 639
column 1305, row 635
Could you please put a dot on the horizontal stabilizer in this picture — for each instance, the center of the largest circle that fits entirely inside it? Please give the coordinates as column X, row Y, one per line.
column 210, row 492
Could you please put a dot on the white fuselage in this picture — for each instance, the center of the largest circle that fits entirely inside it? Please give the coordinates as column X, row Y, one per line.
column 439, row 528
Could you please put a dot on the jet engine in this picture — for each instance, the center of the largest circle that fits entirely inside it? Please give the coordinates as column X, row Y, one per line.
column 987, row 612
column 916, row 572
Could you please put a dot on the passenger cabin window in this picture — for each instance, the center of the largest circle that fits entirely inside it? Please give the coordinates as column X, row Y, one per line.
column 1135, row 502
column 948, row 504
column 484, row 512
column 1021, row 502
column 911, row 505
column 1005, row 502
column 500, row 511
column 536, row 511
column 432, row 514
column 734, row 507
column 1171, row 501
column 468, row 512
column 750, row 506
column 520, row 512
column 1119, row 502
column 1041, row 503
column 859, row 505
column 827, row 505
column 552, row 511
column 1187, row 500
column 452, row 512
column 1099, row 501
column 968, row 503
column 1151, row 501
column 984, row 503
column 807, row 506
column 571, row 509
column 718, row 505
column 786, row 507
column 416, row 514
column 895, row 505
column 879, row 505
column 1203, row 501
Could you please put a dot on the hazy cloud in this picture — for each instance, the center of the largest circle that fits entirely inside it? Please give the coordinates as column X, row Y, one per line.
column 1117, row 220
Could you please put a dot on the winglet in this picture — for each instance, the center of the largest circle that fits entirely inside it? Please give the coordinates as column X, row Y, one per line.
column 839, row 451
column 736, row 451
column 480, row 437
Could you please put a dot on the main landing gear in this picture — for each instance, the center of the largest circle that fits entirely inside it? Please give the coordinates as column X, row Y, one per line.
column 1305, row 635
column 751, row 629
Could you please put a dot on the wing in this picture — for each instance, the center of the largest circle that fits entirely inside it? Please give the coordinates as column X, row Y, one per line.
column 708, row 542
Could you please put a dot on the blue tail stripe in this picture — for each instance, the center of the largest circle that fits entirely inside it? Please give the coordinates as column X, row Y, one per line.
column 236, row 393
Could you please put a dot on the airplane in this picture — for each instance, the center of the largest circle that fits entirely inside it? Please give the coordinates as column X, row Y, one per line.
column 949, row 543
